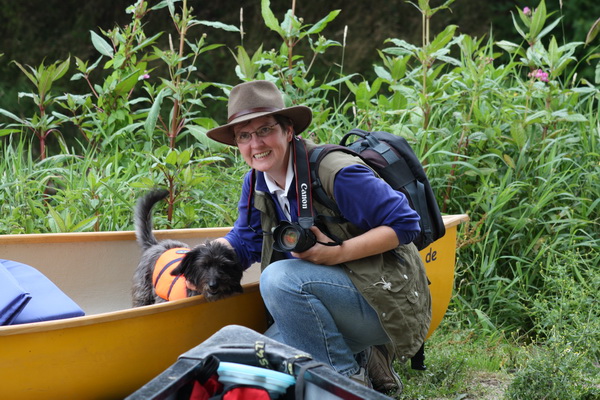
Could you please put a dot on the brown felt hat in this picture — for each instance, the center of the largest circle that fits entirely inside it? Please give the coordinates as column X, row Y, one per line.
column 256, row 99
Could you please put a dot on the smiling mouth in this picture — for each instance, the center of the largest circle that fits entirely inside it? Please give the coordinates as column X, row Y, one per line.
column 261, row 155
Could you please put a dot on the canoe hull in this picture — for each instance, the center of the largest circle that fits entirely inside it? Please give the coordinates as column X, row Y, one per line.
column 115, row 350
column 111, row 355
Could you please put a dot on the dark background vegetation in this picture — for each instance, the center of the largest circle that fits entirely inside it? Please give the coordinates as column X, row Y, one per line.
column 34, row 31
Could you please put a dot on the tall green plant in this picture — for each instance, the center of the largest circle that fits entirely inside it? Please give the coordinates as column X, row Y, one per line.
column 292, row 31
column 42, row 123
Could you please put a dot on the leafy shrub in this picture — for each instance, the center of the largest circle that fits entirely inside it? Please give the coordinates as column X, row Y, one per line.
column 555, row 372
column 565, row 313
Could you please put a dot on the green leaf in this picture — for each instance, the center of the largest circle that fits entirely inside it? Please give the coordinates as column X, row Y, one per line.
column 217, row 25
column 146, row 42
column 210, row 47
column 85, row 225
column 536, row 117
column 443, row 6
column 58, row 220
column 511, row 47
column 184, row 157
column 31, row 77
column 553, row 53
column 547, row 29
column 403, row 45
column 11, row 116
column 526, row 19
column 102, row 45
column 569, row 117
column 319, row 26
column 442, row 38
column 171, row 158
column 424, row 5
column 538, row 20
column 269, row 18
column 509, row 161
column 593, row 32
column 518, row 27
column 154, row 112
column 5, row 132
column 61, row 69
column 383, row 73
column 128, row 83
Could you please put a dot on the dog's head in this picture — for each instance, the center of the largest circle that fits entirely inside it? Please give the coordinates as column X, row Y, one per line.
column 213, row 269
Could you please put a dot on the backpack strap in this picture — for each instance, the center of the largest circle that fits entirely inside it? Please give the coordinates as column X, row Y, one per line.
column 316, row 155
column 416, row 190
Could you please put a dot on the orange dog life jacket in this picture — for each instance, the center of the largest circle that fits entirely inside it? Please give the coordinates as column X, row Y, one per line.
column 167, row 286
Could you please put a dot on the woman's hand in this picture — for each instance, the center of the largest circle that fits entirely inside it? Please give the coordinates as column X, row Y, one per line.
column 375, row 241
column 319, row 253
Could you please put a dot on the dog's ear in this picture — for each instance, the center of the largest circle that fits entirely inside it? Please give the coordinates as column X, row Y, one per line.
column 184, row 266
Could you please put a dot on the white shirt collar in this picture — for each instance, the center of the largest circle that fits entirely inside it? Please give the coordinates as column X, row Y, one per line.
column 280, row 193
column 289, row 176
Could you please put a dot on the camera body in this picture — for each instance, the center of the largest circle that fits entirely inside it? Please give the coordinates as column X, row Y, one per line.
column 290, row 236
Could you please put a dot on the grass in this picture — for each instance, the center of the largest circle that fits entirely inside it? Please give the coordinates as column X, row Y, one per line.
column 462, row 365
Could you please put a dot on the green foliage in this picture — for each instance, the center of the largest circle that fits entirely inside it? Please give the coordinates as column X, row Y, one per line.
column 555, row 372
column 563, row 363
column 41, row 124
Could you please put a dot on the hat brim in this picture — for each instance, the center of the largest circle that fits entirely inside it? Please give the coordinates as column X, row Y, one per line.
column 301, row 117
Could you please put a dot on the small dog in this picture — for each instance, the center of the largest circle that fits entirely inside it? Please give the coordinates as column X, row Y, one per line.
column 212, row 267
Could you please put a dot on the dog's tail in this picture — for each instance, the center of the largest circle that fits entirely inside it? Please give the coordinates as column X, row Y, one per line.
column 143, row 217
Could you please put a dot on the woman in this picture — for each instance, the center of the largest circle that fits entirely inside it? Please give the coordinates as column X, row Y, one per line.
column 353, row 305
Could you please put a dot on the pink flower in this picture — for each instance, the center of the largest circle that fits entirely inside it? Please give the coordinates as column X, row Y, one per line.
column 527, row 11
column 142, row 77
column 539, row 74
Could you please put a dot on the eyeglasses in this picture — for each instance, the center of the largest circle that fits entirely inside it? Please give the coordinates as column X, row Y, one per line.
column 246, row 137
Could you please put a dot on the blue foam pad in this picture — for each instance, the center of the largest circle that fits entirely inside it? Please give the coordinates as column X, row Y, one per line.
column 47, row 301
column 13, row 298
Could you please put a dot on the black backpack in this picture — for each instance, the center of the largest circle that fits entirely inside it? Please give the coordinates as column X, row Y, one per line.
column 394, row 160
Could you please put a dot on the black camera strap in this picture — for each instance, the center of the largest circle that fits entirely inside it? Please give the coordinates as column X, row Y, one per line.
column 303, row 186
column 306, row 217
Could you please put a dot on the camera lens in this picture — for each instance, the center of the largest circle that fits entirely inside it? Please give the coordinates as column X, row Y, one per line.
column 292, row 237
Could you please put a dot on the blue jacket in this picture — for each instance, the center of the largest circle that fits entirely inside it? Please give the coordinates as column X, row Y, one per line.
column 364, row 199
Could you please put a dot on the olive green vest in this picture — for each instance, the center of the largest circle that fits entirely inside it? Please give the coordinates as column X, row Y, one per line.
column 394, row 283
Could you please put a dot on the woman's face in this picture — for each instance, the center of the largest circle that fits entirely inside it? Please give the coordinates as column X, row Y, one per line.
column 268, row 153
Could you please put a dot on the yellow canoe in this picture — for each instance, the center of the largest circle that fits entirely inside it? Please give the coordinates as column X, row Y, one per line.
column 114, row 349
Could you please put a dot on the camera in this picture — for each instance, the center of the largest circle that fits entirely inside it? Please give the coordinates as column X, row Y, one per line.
column 290, row 236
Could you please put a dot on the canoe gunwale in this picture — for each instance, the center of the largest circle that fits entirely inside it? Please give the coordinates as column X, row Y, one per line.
column 108, row 236
column 449, row 221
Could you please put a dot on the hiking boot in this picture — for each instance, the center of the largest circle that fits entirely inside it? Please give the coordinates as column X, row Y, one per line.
column 381, row 371
column 362, row 377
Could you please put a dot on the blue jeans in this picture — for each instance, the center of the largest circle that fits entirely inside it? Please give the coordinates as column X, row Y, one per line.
column 317, row 309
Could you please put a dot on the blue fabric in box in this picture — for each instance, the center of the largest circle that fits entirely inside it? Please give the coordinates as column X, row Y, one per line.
column 13, row 298
column 47, row 301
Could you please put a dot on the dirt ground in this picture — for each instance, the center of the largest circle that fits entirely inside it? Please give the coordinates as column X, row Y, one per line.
column 484, row 386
